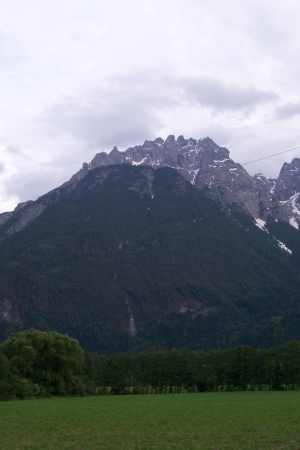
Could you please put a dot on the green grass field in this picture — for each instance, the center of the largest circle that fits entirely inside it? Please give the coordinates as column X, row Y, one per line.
column 237, row 420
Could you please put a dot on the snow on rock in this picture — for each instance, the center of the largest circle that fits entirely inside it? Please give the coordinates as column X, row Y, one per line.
column 261, row 224
column 294, row 223
column 221, row 160
column 137, row 163
column 193, row 173
column 293, row 199
column 273, row 187
column 283, row 246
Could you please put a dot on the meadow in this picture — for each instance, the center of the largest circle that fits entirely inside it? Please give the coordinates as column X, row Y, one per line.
column 221, row 420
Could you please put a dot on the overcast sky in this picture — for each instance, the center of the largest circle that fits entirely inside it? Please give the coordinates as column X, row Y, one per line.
column 81, row 76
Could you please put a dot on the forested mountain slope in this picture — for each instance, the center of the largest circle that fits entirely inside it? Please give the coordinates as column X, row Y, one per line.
column 134, row 257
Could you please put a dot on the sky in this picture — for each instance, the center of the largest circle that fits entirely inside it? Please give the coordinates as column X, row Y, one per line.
column 79, row 77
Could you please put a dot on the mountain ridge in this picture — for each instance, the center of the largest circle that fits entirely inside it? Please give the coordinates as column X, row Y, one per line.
column 204, row 164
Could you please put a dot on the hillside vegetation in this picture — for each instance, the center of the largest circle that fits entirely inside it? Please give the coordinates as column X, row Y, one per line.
column 135, row 258
column 43, row 364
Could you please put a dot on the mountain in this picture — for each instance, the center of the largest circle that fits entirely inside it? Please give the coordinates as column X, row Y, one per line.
column 287, row 191
column 204, row 164
column 210, row 169
column 128, row 256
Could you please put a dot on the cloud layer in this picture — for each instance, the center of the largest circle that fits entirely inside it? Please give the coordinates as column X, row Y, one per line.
column 216, row 94
column 81, row 77
column 287, row 110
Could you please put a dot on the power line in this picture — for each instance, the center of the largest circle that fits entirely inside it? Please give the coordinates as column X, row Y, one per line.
column 256, row 160
column 270, row 156
column 227, row 169
column 241, row 203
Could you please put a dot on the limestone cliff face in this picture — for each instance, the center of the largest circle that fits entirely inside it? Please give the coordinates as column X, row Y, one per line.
column 4, row 217
column 25, row 212
column 204, row 164
column 287, row 191
column 284, row 193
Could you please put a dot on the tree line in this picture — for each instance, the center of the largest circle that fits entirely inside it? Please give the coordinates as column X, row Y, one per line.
column 39, row 364
column 182, row 370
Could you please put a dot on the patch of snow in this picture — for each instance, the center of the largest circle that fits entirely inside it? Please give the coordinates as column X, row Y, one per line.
column 231, row 170
column 137, row 163
column 221, row 160
column 198, row 149
column 259, row 176
column 283, row 246
column 294, row 223
column 293, row 199
column 261, row 224
column 194, row 174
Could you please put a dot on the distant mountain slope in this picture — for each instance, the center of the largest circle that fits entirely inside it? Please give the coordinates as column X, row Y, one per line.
column 204, row 164
column 130, row 257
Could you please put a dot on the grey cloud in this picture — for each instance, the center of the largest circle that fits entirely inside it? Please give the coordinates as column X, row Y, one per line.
column 10, row 51
column 31, row 184
column 14, row 149
column 215, row 94
column 2, row 168
column 122, row 112
column 217, row 133
column 127, row 110
column 287, row 110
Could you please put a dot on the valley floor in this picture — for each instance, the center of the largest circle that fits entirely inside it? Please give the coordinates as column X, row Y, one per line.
column 228, row 420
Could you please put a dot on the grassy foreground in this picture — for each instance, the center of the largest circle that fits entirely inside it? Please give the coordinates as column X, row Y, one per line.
column 237, row 420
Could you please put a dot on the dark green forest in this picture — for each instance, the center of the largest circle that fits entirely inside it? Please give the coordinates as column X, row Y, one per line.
column 42, row 364
column 182, row 370
column 135, row 258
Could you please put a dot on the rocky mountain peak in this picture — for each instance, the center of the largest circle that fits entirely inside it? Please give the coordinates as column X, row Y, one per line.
column 287, row 191
column 265, row 182
column 205, row 165
column 288, row 182
column 181, row 141
column 170, row 140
